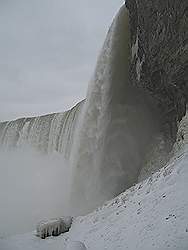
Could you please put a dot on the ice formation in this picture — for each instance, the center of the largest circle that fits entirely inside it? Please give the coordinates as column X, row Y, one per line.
column 53, row 227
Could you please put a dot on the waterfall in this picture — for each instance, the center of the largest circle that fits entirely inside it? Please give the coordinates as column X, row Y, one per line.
column 48, row 133
column 116, row 125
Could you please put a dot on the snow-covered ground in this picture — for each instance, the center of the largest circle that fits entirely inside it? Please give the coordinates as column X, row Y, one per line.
column 151, row 215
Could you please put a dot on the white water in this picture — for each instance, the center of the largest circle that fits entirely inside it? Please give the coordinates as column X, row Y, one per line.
column 48, row 134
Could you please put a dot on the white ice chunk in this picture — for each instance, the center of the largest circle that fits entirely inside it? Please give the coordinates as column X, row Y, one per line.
column 135, row 48
column 53, row 227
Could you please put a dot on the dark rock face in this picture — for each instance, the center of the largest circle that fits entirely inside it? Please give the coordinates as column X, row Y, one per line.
column 159, row 41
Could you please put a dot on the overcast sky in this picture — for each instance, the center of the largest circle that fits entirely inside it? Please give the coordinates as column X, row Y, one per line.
column 48, row 50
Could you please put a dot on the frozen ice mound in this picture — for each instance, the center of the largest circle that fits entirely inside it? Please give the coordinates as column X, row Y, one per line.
column 53, row 227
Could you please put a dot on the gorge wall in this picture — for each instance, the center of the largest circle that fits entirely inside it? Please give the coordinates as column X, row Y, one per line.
column 159, row 41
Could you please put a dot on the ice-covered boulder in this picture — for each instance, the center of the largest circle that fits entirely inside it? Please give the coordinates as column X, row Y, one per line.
column 53, row 227
column 76, row 245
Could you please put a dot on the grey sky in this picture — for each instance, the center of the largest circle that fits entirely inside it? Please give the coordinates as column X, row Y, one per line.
column 48, row 50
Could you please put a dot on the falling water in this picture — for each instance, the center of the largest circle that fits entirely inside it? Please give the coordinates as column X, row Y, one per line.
column 48, row 133
column 115, row 128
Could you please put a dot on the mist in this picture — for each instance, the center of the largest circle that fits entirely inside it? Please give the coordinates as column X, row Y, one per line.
column 33, row 187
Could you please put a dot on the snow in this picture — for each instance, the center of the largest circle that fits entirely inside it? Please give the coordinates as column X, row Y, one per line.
column 76, row 245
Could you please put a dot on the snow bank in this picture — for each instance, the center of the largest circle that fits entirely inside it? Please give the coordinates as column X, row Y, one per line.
column 76, row 245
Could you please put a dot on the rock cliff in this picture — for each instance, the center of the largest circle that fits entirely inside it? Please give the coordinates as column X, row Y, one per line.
column 159, row 41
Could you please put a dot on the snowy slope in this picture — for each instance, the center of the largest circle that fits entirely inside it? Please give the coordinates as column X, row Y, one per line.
column 150, row 215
